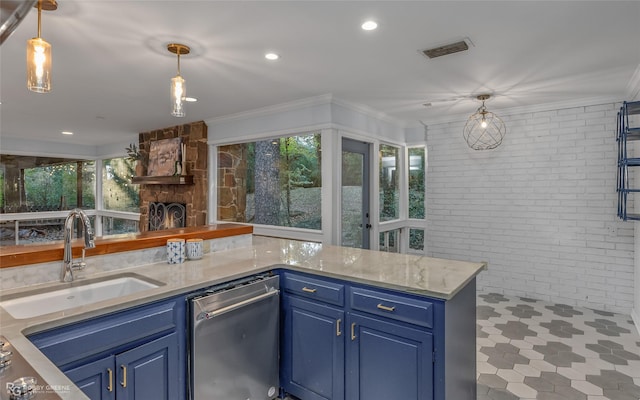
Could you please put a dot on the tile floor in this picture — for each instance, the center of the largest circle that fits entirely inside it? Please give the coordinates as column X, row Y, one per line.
column 530, row 349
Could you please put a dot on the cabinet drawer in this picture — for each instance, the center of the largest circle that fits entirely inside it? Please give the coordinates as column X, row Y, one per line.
column 318, row 289
column 417, row 312
column 77, row 341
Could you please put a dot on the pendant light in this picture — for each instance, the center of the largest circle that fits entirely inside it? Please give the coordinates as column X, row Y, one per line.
column 484, row 130
column 178, row 87
column 39, row 55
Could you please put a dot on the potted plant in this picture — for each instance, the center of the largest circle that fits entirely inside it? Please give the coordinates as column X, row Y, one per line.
column 134, row 154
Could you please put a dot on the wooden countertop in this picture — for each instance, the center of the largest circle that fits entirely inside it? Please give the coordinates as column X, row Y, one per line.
column 12, row 256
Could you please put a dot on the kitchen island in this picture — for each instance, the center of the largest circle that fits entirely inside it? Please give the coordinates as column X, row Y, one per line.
column 447, row 284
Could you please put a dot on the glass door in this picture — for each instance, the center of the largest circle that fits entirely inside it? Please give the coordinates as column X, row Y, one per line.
column 355, row 194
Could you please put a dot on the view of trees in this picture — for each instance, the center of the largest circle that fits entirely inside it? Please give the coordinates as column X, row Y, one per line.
column 389, row 194
column 416, row 182
column 283, row 181
column 56, row 187
column 118, row 193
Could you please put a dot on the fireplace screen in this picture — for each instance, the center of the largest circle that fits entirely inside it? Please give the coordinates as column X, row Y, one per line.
column 166, row 216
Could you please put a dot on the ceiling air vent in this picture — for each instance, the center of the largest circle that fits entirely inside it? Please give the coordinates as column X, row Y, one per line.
column 446, row 49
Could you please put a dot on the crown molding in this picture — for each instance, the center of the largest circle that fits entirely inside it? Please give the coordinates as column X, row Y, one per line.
column 274, row 109
column 366, row 110
column 501, row 112
column 325, row 99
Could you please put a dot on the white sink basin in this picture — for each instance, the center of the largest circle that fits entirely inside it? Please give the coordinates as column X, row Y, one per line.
column 76, row 295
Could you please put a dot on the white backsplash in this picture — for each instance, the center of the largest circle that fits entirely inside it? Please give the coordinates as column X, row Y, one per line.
column 33, row 274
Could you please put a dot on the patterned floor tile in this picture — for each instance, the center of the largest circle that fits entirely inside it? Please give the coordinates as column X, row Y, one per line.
column 587, row 388
column 563, row 310
column 522, row 391
column 531, row 349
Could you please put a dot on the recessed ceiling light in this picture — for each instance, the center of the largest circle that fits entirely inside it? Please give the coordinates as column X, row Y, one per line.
column 369, row 25
column 271, row 56
column 67, row 133
column 190, row 99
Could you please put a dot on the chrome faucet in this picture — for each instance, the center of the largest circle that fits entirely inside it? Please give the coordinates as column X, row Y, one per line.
column 67, row 262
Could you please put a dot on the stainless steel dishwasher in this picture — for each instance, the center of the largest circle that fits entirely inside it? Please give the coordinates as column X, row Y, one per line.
column 234, row 340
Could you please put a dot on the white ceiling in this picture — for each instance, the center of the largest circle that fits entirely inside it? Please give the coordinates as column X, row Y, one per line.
column 111, row 69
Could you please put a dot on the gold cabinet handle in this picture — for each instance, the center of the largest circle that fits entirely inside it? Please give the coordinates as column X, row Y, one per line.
column 385, row 308
column 306, row 289
column 338, row 331
column 353, row 331
column 110, row 385
column 124, row 376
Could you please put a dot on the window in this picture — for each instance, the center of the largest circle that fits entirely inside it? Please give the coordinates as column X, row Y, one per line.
column 118, row 193
column 31, row 184
column 271, row 182
column 389, row 241
column 416, row 239
column 389, row 183
column 416, row 182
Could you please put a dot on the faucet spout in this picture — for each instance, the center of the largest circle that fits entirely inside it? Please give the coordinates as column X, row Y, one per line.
column 67, row 262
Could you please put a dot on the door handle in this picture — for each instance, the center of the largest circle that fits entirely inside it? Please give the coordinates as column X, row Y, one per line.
column 353, row 331
column 306, row 289
column 124, row 376
column 368, row 226
column 338, row 331
column 110, row 385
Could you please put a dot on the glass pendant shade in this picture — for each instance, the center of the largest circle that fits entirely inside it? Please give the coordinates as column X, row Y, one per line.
column 178, row 87
column 178, row 95
column 38, row 65
column 484, row 130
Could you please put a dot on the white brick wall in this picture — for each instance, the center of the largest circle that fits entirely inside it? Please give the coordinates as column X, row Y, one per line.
column 540, row 209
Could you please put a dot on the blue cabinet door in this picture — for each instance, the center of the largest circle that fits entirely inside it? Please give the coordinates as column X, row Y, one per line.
column 150, row 371
column 387, row 360
column 312, row 350
column 95, row 379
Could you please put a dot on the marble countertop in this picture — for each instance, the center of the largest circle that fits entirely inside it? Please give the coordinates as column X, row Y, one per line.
column 434, row 277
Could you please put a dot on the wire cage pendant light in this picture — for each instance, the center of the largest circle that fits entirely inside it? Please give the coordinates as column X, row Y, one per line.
column 484, row 130
column 39, row 55
column 178, row 86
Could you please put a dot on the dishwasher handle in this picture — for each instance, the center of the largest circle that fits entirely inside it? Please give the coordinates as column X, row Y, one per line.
column 235, row 306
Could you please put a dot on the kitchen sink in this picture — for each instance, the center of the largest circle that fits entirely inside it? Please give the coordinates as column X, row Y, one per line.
column 75, row 294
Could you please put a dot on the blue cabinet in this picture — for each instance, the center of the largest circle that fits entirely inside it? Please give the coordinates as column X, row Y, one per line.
column 389, row 344
column 133, row 354
column 387, row 360
column 95, row 379
column 312, row 349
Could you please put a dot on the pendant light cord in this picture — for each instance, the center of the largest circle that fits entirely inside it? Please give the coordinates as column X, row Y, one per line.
column 39, row 15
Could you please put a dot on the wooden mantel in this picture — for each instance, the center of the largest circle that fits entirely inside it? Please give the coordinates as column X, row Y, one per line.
column 12, row 256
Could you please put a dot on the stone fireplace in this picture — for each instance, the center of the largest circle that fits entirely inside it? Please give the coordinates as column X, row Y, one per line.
column 192, row 196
